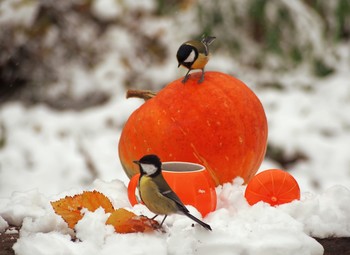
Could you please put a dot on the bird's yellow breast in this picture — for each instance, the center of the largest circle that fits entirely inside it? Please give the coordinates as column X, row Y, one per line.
column 153, row 199
column 200, row 62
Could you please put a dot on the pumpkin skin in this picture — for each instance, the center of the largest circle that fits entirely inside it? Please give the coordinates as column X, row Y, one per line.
column 219, row 123
column 273, row 186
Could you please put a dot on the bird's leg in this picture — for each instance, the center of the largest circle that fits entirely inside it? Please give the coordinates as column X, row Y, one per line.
column 155, row 216
column 202, row 77
column 163, row 220
column 186, row 76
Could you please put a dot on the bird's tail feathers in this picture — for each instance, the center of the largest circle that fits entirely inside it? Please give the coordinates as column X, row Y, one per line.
column 207, row 40
column 205, row 225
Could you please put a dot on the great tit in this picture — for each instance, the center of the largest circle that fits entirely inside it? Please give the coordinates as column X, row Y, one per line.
column 194, row 55
column 155, row 192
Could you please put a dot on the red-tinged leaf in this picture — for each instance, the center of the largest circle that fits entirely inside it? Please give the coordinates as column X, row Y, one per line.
column 125, row 221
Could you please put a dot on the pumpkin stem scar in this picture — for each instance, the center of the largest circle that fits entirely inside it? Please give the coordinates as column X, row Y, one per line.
column 144, row 94
column 205, row 164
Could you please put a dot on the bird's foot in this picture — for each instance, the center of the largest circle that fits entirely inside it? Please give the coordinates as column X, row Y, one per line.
column 202, row 78
column 186, row 78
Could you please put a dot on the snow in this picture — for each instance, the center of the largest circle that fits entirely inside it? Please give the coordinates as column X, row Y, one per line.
column 324, row 215
column 17, row 13
column 106, row 9
column 110, row 9
column 3, row 225
column 315, row 123
column 11, row 230
column 92, row 223
column 238, row 228
column 64, row 142
column 48, row 154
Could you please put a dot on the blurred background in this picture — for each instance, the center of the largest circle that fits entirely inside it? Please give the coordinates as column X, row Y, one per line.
column 65, row 67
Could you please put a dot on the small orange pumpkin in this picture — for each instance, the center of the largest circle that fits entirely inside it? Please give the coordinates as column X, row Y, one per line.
column 219, row 123
column 273, row 186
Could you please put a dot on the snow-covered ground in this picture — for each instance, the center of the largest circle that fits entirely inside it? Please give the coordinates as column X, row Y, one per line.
column 237, row 227
column 47, row 154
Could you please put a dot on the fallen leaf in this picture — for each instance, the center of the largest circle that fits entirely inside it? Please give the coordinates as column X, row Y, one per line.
column 69, row 208
column 93, row 200
column 125, row 221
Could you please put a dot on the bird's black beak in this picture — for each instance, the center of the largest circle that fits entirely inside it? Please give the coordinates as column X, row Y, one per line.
column 136, row 162
column 178, row 65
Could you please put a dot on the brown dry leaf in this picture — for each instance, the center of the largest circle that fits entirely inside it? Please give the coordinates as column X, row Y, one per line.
column 125, row 221
column 69, row 207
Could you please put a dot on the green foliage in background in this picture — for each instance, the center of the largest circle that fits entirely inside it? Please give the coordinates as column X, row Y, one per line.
column 277, row 34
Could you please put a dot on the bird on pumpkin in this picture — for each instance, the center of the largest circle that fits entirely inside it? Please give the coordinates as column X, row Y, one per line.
column 194, row 54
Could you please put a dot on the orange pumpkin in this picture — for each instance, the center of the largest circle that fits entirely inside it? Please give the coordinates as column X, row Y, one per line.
column 219, row 123
column 273, row 186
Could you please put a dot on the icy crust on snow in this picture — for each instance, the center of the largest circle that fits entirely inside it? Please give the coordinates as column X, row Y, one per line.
column 238, row 228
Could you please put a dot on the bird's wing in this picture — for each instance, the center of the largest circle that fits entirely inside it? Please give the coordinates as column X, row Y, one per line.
column 166, row 191
column 199, row 46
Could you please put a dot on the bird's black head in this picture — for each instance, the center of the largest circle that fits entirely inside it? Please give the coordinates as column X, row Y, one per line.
column 186, row 55
column 149, row 165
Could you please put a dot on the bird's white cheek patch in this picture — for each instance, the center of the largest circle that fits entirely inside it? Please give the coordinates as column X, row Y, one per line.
column 149, row 169
column 190, row 57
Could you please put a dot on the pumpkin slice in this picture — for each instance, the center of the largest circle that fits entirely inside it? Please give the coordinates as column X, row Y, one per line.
column 273, row 186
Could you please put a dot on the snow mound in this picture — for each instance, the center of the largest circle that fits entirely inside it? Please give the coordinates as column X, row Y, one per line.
column 238, row 228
